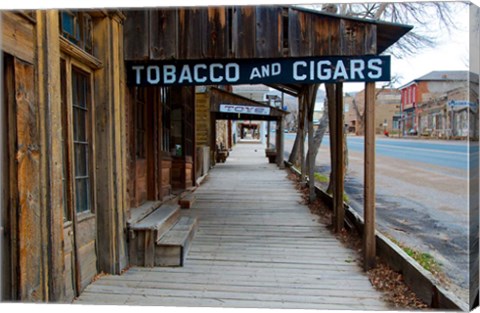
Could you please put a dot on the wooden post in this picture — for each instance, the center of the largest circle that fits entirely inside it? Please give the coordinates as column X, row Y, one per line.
column 338, row 165
column 268, row 134
column 369, row 178
column 213, row 139
column 302, row 118
column 311, row 162
column 280, row 137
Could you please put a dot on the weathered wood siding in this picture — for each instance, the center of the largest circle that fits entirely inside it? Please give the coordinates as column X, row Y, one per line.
column 244, row 32
column 202, row 119
column 163, row 29
column 18, row 36
column 28, row 166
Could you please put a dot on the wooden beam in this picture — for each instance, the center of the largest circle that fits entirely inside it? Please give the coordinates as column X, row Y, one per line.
column 338, row 165
column 369, row 178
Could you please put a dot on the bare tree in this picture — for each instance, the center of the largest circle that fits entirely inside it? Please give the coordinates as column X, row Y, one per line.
column 428, row 17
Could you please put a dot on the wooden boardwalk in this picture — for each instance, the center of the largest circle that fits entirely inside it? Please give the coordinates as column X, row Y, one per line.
column 257, row 246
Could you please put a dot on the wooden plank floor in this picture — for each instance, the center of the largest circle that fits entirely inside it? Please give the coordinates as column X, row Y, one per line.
column 257, row 246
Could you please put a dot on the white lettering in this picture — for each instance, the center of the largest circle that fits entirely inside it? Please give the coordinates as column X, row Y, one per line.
column 375, row 69
column 185, row 74
column 255, row 73
column 340, row 70
column 213, row 78
column 324, row 73
column 276, row 69
column 265, row 70
column 169, row 75
column 356, row 68
column 228, row 72
column 295, row 70
column 156, row 77
column 312, row 70
column 196, row 73
column 137, row 69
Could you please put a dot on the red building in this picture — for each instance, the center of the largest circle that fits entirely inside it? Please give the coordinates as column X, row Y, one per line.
column 423, row 89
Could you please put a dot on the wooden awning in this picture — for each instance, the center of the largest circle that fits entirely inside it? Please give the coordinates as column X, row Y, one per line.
column 251, row 32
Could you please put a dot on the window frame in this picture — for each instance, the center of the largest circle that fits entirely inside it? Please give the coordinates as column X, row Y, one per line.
column 71, row 66
column 82, row 29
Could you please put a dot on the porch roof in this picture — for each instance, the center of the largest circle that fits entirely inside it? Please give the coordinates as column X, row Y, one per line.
column 252, row 32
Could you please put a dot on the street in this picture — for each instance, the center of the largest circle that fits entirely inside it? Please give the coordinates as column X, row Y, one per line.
column 421, row 196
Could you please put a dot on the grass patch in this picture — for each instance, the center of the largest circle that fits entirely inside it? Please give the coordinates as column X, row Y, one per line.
column 321, row 178
column 426, row 260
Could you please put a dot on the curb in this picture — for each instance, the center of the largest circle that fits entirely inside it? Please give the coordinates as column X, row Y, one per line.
column 415, row 276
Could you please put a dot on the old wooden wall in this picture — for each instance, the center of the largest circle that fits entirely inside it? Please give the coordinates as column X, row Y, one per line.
column 243, row 32
column 202, row 119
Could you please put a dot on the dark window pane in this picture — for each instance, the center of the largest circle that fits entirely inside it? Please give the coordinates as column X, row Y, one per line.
column 68, row 23
column 81, row 160
column 80, row 133
column 82, row 195
column 66, row 215
column 79, row 125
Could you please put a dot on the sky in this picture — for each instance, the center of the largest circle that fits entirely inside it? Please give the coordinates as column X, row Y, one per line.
column 450, row 53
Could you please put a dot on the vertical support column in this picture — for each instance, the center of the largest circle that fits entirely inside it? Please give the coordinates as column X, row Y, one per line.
column 339, row 211
column 110, row 152
column 302, row 116
column 280, row 140
column 311, row 96
column 268, row 134
column 369, row 178
column 213, row 139
column 51, row 172
column 311, row 161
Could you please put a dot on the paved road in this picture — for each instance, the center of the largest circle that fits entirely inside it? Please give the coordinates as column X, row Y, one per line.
column 422, row 196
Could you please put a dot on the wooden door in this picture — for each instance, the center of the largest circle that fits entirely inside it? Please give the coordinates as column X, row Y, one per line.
column 80, row 230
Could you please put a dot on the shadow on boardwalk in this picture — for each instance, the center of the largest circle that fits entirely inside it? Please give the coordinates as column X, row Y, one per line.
column 256, row 246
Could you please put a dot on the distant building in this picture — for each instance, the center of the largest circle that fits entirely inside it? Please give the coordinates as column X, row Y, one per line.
column 425, row 89
column 254, row 92
column 453, row 114
column 387, row 105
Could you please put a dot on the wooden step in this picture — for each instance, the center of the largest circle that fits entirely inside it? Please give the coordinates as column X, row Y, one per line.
column 172, row 248
column 139, row 213
column 186, row 201
column 150, row 229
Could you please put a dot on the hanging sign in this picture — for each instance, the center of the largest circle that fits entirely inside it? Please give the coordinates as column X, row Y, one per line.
column 260, row 71
column 244, row 109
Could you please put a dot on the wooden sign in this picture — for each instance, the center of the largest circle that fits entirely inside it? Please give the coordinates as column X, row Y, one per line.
column 260, row 71
column 244, row 109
